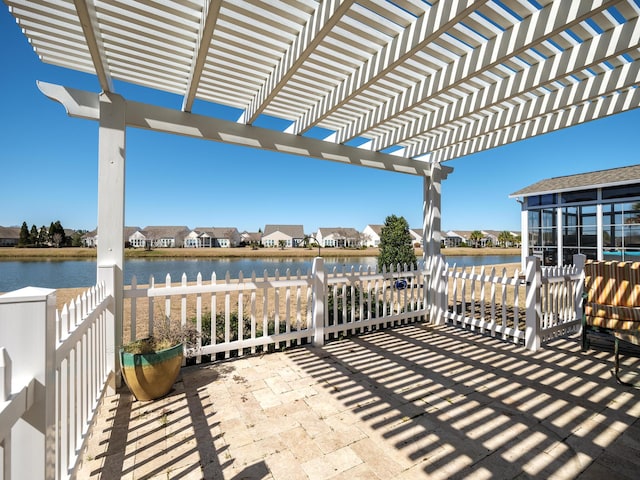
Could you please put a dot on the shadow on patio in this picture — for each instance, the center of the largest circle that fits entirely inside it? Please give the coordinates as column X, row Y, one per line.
column 411, row 402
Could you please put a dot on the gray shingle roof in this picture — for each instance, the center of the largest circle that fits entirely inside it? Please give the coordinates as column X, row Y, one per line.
column 9, row 232
column 582, row 181
column 294, row 231
column 157, row 232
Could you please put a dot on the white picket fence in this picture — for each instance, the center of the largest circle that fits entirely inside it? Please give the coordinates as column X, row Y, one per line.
column 245, row 315
column 53, row 371
column 529, row 307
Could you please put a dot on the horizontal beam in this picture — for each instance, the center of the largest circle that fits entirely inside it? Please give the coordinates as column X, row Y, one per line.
column 86, row 105
column 576, row 115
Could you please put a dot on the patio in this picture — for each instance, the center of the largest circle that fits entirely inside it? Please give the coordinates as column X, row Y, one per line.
column 412, row 402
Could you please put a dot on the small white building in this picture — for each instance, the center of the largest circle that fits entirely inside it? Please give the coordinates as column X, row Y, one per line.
column 213, row 237
column 291, row 235
column 9, row 236
column 416, row 237
column 371, row 235
column 340, row 237
column 160, row 236
column 90, row 239
column 452, row 239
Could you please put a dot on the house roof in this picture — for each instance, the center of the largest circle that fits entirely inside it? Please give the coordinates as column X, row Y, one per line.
column 444, row 79
column 252, row 236
column 377, row 229
column 293, row 231
column 9, row 232
column 164, row 231
column 128, row 231
column 342, row 231
column 217, row 232
column 582, row 181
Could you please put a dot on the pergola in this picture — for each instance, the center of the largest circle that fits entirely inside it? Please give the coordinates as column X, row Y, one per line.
column 401, row 85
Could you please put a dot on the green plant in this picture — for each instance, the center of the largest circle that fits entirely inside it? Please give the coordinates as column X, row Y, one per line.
column 395, row 244
column 348, row 299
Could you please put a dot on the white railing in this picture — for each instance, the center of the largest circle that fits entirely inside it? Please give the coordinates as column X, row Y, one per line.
column 561, row 299
column 527, row 308
column 255, row 314
column 234, row 316
column 486, row 302
column 81, row 371
column 53, row 372
column 357, row 300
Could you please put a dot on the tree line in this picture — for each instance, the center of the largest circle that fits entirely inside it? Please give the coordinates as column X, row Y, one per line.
column 54, row 236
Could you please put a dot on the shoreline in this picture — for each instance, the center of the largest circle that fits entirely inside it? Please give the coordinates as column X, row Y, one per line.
column 80, row 253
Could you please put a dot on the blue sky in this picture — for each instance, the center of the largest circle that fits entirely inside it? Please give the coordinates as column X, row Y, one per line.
column 49, row 167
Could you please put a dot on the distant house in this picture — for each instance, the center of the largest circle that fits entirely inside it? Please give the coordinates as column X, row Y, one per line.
column 213, row 237
column 486, row 240
column 338, row 237
column 137, row 239
column 452, row 239
column 292, row 235
column 90, row 239
column 161, row 236
column 495, row 236
column 371, row 235
column 250, row 238
column 9, row 236
column 416, row 237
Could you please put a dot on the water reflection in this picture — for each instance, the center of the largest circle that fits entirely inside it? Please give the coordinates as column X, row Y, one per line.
column 82, row 273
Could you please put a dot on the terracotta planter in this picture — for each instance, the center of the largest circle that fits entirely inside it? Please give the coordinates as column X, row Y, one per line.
column 151, row 375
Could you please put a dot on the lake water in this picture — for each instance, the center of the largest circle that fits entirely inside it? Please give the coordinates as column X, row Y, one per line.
column 82, row 273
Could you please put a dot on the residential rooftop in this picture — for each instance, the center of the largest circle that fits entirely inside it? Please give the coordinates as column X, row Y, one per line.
column 582, row 181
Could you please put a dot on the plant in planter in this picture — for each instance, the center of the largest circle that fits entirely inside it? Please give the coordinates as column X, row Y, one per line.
column 150, row 366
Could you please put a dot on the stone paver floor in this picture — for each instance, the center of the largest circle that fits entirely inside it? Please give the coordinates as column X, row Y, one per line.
column 406, row 403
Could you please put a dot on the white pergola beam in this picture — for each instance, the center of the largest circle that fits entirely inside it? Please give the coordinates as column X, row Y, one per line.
column 207, row 25
column 319, row 26
column 600, row 108
column 86, row 105
column 610, row 44
column 425, row 29
column 489, row 121
column 554, row 18
column 87, row 14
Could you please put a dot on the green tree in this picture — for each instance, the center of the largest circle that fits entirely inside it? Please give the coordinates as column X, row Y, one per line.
column 57, row 235
column 475, row 238
column 43, row 236
column 76, row 238
column 33, row 235
column 24, row 235
column 505, row 238
column 395, row 244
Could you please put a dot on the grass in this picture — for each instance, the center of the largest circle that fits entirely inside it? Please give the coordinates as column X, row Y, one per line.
column 75, row 253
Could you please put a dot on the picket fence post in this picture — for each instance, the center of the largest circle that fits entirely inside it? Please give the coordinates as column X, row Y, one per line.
column 439, row 285
column 578, row 261
column 532, row 334
column 319, row 285
column 28, row 334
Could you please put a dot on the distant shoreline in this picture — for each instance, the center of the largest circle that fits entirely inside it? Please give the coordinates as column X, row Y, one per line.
column 14, row 253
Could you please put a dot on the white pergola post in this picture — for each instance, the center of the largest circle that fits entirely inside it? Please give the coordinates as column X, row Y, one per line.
column 431, row 236
column 524, row 236
column 432, row 213
column 111, row 178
